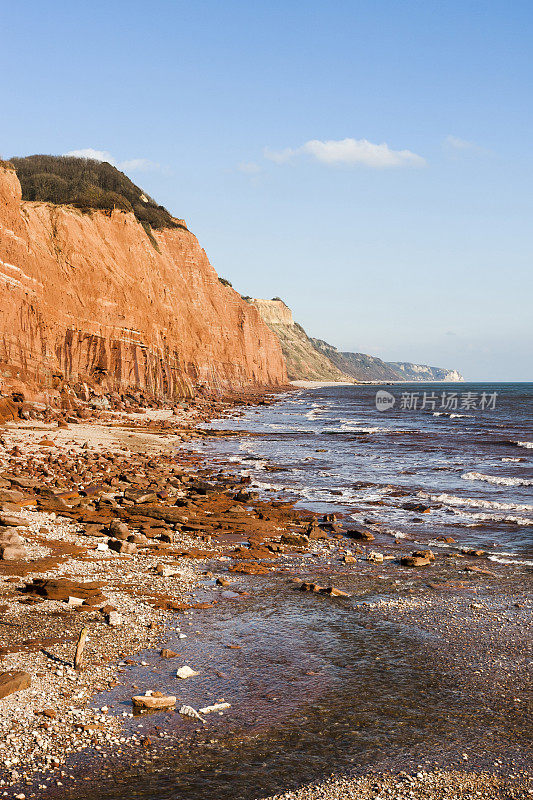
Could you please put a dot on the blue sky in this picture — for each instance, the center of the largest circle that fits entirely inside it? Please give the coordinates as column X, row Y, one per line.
column 369, row 162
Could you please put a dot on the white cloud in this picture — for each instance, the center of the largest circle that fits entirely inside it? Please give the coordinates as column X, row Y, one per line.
column 249, row 167
column 348, row 152
column 133, row 164
column 89, row 152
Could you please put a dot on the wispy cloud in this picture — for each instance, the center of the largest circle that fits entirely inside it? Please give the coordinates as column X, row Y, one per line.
column 455, row 145
column 249, row 167
column 133, row 164
column 348, row 152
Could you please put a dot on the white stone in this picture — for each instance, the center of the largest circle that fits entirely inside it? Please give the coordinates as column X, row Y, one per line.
column 186, row 672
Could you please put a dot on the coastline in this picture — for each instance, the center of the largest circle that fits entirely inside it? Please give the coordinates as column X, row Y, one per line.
column 69, row 547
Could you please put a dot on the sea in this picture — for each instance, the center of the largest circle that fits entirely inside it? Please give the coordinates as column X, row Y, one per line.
column 466, row 450
column 411, row 671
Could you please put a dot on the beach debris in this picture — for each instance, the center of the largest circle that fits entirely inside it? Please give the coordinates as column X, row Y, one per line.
column 13, row 681
column 166, row 653
column 153, row 700
column 214, row 708
column 186, row 672
column 78, row 658
column 188, row 711
column 373, row 555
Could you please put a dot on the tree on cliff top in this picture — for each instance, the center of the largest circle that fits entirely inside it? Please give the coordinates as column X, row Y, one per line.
column 87, row 184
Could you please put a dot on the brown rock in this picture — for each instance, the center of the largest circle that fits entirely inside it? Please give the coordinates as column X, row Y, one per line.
column 63, row 588
column 11, row 521
column 153, row 701
column 480, row 571
column 13, row 681
column 10, row 496
column 9, row 411
column 166, row 653
column 424, row 554
column 359, row 533
column 12, row 552
column 334, row 592
column 295, row 539
column 126, row 548
column 414, row 561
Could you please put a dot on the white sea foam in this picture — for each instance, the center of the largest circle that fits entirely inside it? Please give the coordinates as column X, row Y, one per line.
column 475, row 502
column 451, row 416
column 513, row 561
column 496, row 479
column 361, row 429
column 529, row 445
column 503, row 518
column 507, row 458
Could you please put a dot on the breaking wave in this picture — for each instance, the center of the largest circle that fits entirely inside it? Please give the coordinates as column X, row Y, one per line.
column 498, row 480
column 475, row 502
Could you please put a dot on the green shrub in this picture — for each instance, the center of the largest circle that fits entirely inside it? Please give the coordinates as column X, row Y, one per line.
column 86, row 184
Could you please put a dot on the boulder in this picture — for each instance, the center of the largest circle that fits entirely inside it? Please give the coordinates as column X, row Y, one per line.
column 119, row 529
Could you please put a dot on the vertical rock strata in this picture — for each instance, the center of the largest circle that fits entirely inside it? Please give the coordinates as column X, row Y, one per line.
column 88, row 297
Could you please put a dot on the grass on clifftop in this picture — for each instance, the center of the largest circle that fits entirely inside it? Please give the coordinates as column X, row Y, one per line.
column 87, row 184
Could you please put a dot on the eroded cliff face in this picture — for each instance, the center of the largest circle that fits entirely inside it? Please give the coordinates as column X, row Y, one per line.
column 304, row 361
column 86, row 297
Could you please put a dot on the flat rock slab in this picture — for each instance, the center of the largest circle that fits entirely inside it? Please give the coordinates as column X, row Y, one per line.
column 153, row 701
column 63, row 588
column 11, row 682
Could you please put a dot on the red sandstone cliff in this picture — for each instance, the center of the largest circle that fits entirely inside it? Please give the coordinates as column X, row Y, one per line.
column 86, row 297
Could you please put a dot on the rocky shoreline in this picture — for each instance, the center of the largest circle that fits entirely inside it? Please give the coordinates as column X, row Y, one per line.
column 110, row 526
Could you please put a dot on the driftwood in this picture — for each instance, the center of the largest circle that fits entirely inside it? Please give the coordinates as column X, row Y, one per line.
column 78, row 658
